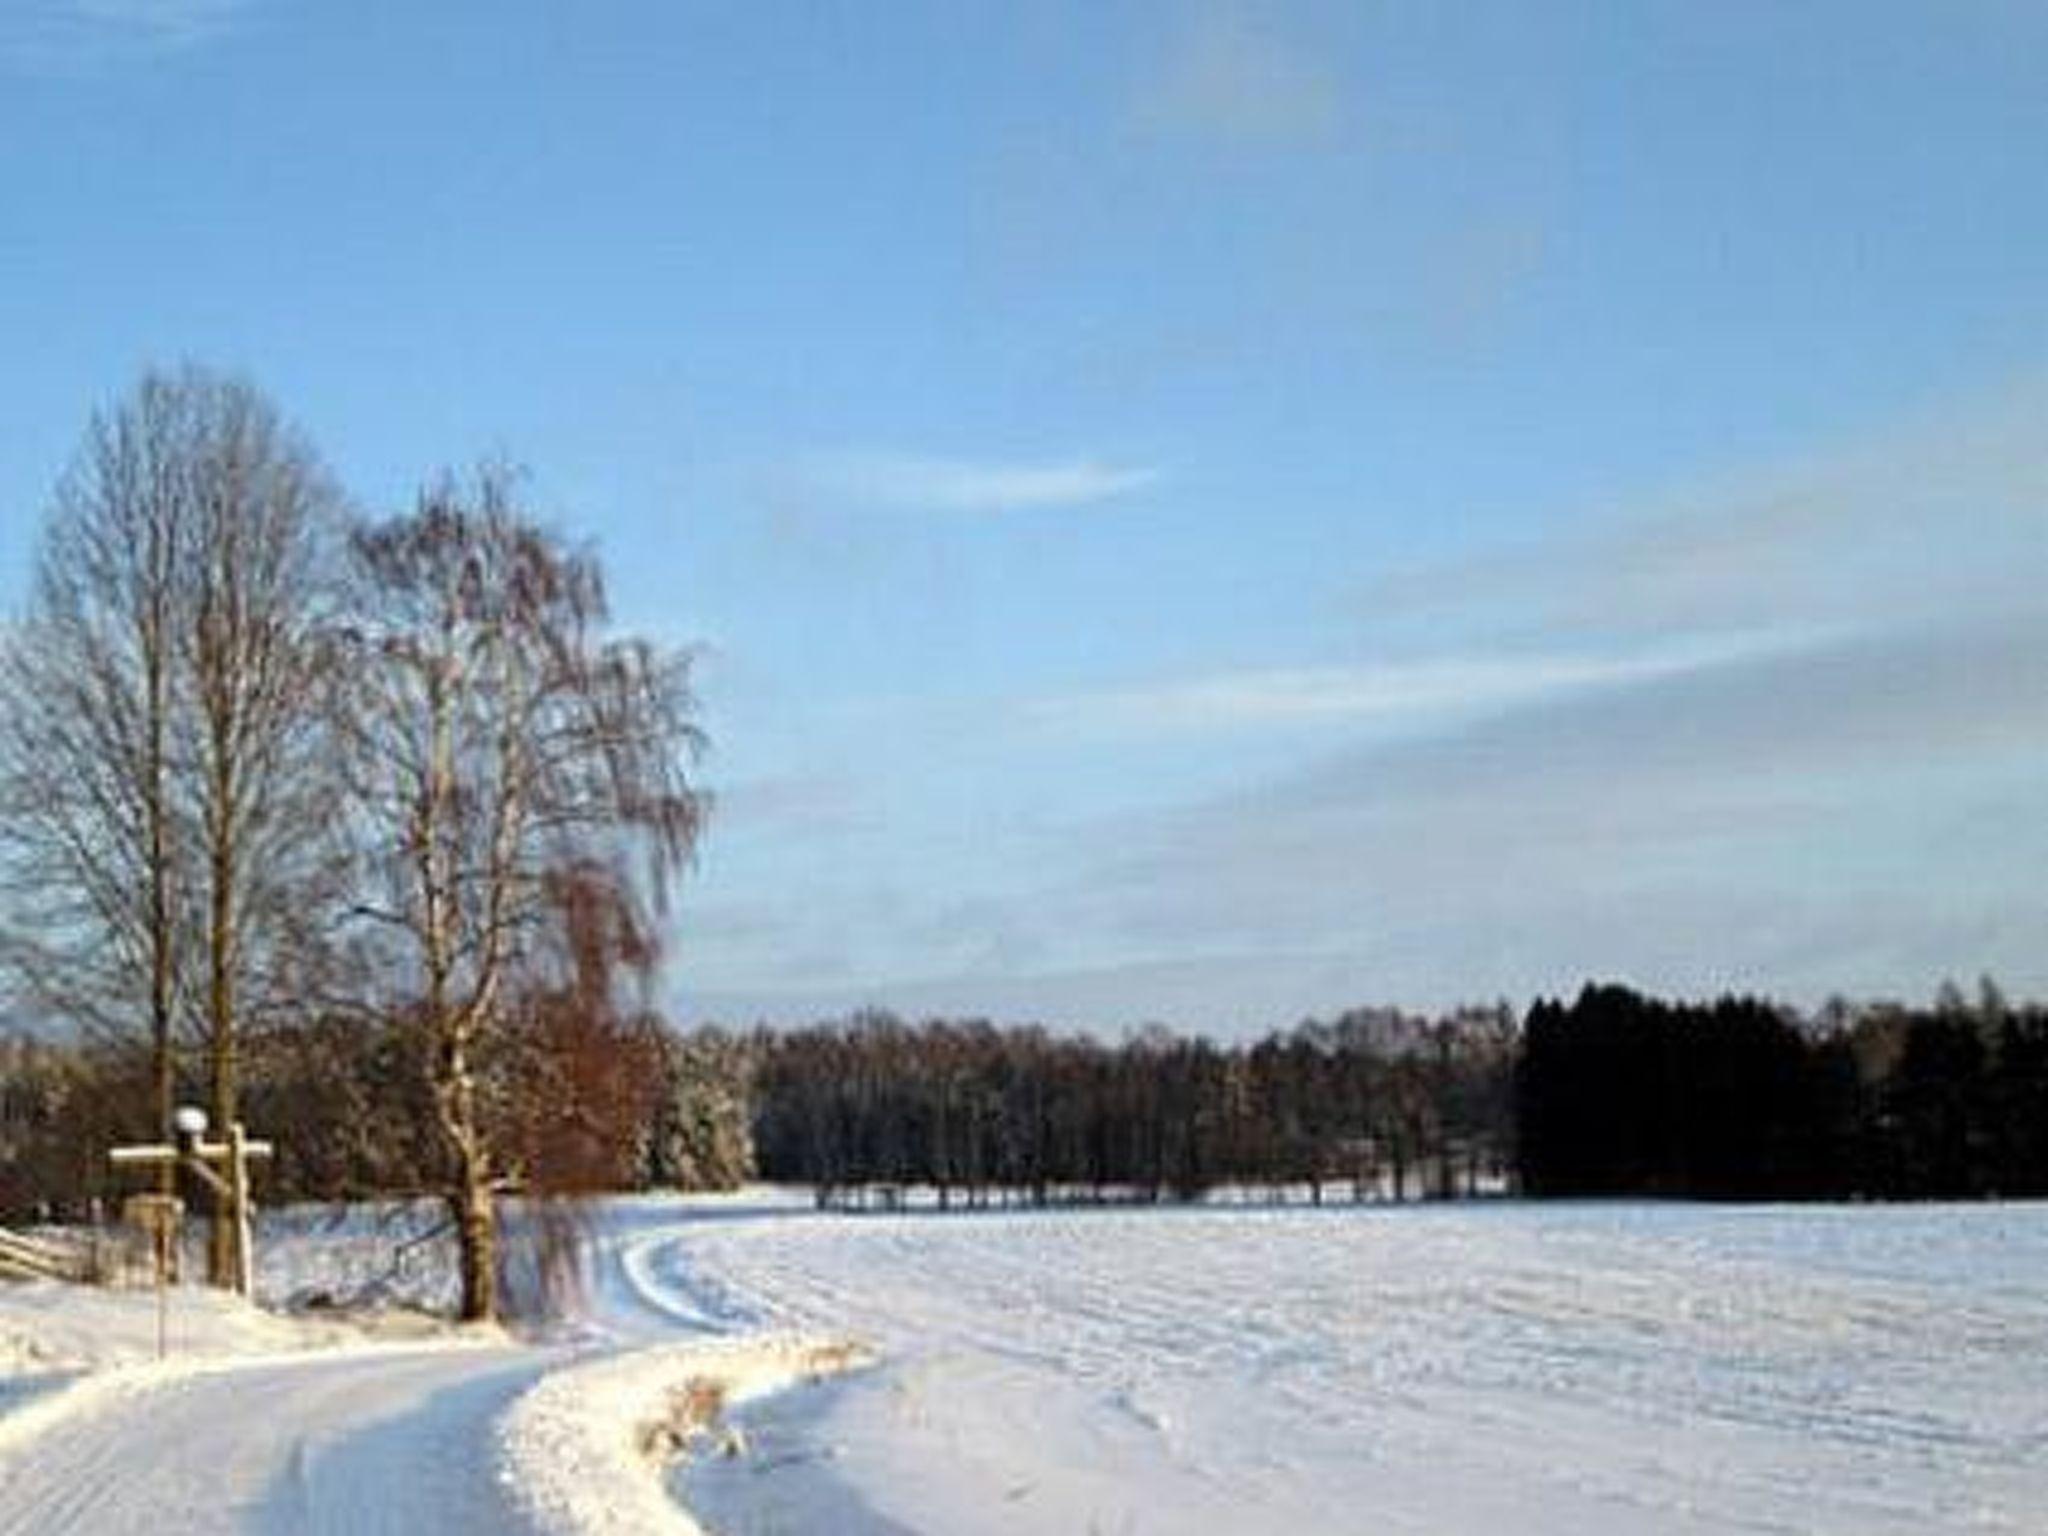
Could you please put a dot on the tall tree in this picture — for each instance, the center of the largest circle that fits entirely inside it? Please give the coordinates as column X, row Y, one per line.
column 259, row 775
column 158, row 776
column 88, row 817
column 500, row 738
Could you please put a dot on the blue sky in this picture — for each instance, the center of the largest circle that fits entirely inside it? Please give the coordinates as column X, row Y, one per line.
column 1191, row 511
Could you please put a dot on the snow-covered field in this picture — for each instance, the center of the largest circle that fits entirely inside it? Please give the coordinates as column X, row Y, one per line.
column 1483, row 1368
column 1473, row 1368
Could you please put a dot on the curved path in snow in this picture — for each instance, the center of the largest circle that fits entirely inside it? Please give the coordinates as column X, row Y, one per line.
column 386, row 1440
column 397, row 1438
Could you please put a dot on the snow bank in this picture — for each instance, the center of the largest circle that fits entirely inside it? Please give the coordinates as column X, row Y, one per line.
column 49, row 1326
column 585, row 1447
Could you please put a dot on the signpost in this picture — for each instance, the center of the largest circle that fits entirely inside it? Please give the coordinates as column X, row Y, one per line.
column 157, row 1214
column 200, row 1158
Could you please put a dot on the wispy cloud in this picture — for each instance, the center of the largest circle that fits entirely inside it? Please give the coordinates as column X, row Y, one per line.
column 1227, row 75
column 1838, row 787
column 1864, row 813
column 1912, row 523
column 921, row 481
column 64, row 36
column 1424, row 691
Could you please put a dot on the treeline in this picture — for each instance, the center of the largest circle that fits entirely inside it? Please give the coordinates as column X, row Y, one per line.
column 1615, row 1094
column 1375, row 1103
column 1621, row 1094
column 1612, row 1094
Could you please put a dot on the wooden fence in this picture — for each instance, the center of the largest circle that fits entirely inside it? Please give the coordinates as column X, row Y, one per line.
column 32, row 1258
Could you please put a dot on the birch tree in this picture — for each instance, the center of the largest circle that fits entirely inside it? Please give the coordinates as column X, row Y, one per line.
column 501, row 736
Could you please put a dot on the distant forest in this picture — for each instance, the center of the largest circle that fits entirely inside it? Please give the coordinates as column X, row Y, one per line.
column 1612, row 1094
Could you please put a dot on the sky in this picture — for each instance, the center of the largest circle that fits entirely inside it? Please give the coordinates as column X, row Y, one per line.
column 1200, row 512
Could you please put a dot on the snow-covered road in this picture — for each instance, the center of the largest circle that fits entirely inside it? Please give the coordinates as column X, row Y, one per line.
column 274, row 1424
column 345, row 1441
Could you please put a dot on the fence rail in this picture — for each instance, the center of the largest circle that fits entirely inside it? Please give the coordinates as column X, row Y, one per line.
column 32, row 1258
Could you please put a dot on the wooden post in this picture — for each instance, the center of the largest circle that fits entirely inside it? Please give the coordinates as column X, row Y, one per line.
column 238, row 1201
column 167, row 1259
column 157, row 1214
column 165, row 1233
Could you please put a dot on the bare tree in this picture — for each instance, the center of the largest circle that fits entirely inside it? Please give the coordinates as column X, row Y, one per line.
column 499, row 739
column 87, row 815
column 157, row 777
column 260, row 775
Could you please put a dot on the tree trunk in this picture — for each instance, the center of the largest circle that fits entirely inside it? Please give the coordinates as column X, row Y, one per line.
column 476, row 1233
column 474, row 1210
column 223, row 1267
column 155, row 642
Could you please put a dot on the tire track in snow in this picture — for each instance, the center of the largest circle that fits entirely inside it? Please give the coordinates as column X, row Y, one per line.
column 345, row 1442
